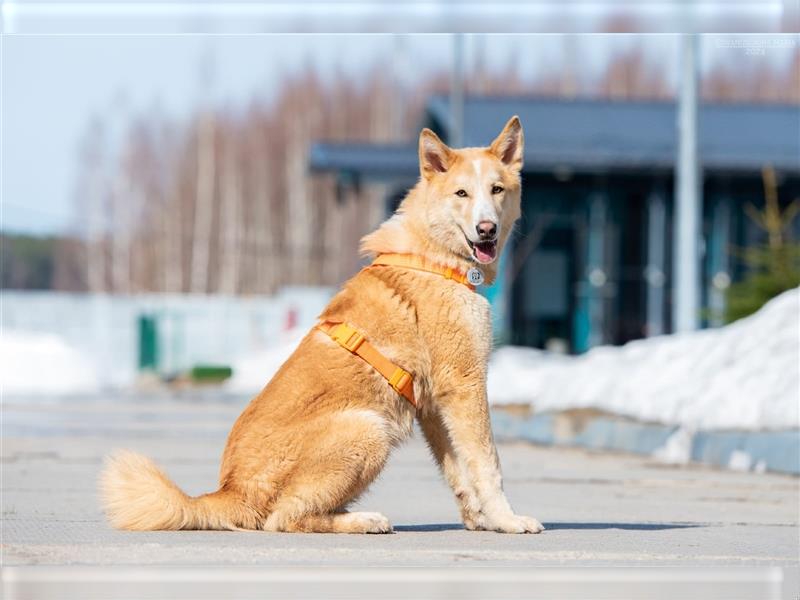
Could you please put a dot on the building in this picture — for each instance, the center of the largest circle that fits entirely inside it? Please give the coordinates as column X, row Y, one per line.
column 591, row 262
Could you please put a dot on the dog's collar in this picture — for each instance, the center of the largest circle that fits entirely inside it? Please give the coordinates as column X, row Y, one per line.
column 473, row 277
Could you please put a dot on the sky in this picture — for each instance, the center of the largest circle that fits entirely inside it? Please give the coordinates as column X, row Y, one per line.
column 53, row 85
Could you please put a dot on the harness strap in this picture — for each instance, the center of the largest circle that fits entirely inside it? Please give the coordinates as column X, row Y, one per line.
column 412, row 261
column 353, row 341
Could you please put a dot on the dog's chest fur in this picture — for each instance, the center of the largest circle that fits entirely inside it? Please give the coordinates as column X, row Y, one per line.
column 475, row 319
column 463, row 329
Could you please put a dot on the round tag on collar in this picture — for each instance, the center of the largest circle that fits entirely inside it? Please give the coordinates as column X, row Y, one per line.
column 474, row 276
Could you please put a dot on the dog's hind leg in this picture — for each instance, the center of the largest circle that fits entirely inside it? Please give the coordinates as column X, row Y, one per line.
column 344, row 455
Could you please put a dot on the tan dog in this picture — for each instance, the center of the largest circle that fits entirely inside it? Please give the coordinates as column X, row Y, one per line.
column 321, row 430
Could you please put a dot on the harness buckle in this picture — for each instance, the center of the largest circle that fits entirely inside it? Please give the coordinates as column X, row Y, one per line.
column 347, row 337
column 399, row 380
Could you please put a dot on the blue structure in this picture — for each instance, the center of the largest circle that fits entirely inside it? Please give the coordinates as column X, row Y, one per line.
column 591, row 263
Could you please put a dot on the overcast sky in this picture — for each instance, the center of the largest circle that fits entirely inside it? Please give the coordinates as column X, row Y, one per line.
column 53, row 85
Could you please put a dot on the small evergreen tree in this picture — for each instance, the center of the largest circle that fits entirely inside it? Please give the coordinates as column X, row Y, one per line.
column 774, row 267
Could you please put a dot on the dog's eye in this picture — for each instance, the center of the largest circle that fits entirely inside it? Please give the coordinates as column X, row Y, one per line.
column 496, row 189
column 461, row 193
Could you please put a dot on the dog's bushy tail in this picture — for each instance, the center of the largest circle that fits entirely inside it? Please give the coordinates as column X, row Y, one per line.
column 137, row 495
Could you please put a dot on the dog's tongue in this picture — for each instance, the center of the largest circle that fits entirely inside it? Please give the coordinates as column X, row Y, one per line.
column 485, row 252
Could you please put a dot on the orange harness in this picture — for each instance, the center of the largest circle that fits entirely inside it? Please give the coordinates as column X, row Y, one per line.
column 354, row 341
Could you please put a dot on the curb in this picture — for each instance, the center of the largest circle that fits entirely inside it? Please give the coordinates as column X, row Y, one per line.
column 776, row 451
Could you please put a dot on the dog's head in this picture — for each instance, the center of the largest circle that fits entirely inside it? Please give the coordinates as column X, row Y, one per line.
column 471, row 196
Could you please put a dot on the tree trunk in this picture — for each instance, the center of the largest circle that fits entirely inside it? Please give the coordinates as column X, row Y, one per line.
column 203, row 209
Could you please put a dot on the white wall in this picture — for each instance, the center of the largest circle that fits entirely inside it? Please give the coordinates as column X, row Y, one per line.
column 192, row 328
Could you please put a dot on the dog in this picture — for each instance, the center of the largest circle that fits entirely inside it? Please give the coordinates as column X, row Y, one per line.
column 322, row 429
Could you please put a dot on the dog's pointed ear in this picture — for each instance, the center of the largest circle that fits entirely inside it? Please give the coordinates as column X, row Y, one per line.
column 434, row 155
column 509, row 144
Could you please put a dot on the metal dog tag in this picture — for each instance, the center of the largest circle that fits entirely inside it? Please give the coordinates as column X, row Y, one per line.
column 474, row 276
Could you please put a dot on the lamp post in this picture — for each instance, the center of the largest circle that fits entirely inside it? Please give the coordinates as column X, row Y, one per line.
column 688, row 199
column 456, row 133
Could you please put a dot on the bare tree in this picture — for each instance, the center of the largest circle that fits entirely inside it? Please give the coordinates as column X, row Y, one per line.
column 204, row 203
column 92, row 198
column 231, row 199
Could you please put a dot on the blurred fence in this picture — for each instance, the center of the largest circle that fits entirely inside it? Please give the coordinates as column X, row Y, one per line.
column 184, row 330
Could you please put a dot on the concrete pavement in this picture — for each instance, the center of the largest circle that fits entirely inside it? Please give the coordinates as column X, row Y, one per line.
column 606, row 510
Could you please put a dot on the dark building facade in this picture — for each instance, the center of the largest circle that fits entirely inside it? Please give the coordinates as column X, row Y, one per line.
column 591, row 260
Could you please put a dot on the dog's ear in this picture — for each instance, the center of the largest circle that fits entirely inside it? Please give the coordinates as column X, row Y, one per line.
column 434, row 155
column 508, row 145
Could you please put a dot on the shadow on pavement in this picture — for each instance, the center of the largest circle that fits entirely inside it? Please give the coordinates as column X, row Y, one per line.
column 556, row 526
column 429, row 527
column 627, row 526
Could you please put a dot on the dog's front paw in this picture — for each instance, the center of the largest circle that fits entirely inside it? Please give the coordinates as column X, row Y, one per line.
column 516, row 524
column 373, row 522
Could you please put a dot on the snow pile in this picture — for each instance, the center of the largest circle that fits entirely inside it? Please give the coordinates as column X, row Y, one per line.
column 741, row 376
column 39, row 363
column 252, row 372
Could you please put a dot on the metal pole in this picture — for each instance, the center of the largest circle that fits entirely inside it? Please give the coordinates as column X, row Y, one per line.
column 456, row 133
column 688, row 201
column 718, row 262
column 596, row 274
column 656, row 261
column 399, row 100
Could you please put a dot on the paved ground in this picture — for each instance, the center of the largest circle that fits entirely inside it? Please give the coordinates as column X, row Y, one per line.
column 599, row 509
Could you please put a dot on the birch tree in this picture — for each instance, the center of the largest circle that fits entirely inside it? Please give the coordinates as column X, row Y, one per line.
column 204, row 203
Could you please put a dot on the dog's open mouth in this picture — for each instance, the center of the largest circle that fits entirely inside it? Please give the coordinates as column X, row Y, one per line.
column 484, row 252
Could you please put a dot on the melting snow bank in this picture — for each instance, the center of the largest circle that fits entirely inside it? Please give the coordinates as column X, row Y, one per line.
column 36, row 363
column 759, row 451
column 741, row 376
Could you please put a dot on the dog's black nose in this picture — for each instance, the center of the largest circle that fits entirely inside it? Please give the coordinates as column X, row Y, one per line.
column 486, row 230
